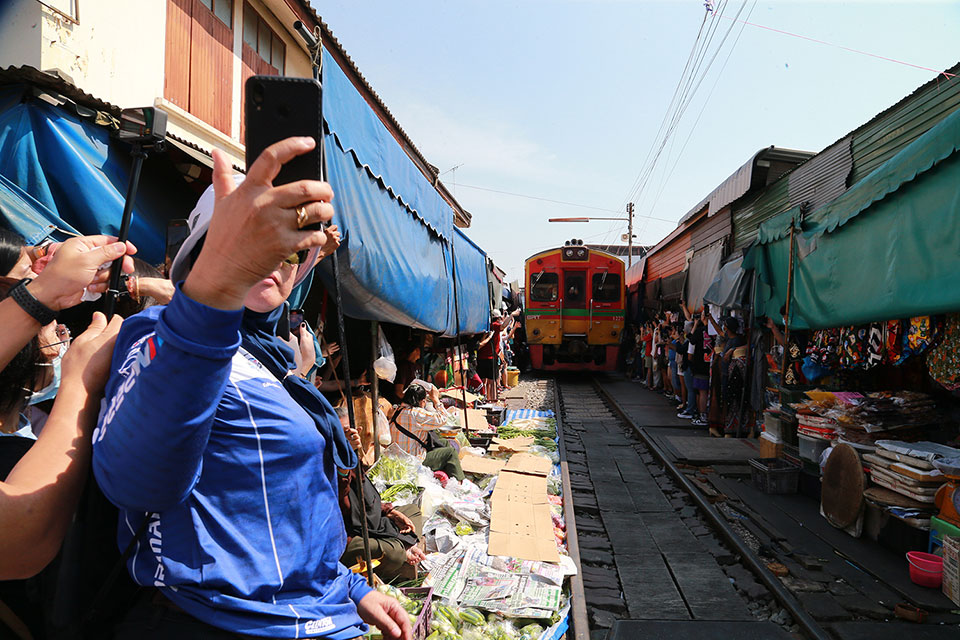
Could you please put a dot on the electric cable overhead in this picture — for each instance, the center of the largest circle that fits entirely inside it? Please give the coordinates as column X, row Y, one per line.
column 551, row 200
column 688, row 86
column 705, row 57
column 703, row 108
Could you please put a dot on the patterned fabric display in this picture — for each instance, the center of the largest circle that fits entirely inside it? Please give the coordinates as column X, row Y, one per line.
column 919, row 336
column 944, row 360
column 894, row 333
column 875, row 344
column 853, row 347
column 824, row 349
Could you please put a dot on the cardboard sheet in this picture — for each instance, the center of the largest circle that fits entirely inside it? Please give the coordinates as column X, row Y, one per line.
column 481, row 466
column 457, row 395
column 529, row 463
column 520, row 443
column 521, row 525
column 477, row 420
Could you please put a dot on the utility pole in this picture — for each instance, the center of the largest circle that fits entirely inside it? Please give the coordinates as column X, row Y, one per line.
column 629, row 235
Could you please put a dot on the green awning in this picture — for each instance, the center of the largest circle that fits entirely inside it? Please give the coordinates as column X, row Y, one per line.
column 889, row 247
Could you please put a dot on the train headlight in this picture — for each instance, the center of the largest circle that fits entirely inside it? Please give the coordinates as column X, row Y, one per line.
column 536, row 332
column 613, row 333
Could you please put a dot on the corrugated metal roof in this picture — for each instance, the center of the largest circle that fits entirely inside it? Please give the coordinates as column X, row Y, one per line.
column 871, row 144
column 823, row 177
column 748, row 216
column 746, row 177
column 882, row 137
column 59, row 82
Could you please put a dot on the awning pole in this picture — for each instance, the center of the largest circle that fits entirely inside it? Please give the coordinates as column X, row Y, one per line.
column 375, row 385
column 794, row 223
column 786, row 319
column 456, row 315
column 314, row 44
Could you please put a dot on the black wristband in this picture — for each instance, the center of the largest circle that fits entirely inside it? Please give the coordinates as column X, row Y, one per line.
column 36, row 309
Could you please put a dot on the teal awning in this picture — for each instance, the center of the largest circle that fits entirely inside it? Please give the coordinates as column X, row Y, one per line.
column 889, row 247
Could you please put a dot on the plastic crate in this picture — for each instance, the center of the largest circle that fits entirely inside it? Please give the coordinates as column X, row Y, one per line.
column 774, row 475
column 424, row 594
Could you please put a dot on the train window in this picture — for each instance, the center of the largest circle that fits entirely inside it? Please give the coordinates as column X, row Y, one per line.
column 544, row 287
column 574, row 285
column 606, row 287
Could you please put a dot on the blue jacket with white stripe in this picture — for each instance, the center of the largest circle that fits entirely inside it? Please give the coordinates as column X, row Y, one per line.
column 245, row 530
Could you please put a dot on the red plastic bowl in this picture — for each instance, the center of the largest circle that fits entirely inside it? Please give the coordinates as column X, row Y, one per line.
column 926, row 569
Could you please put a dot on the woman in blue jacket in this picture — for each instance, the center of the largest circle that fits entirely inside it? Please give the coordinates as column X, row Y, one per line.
column 221, row 459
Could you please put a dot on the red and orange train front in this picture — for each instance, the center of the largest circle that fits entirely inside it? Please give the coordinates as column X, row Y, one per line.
column 574, row 308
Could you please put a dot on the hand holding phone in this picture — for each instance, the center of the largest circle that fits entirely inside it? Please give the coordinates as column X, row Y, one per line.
column 277, row 108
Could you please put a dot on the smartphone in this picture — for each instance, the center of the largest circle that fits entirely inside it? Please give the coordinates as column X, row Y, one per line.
column 177, row 232
column 296, row 319
column 279, row 107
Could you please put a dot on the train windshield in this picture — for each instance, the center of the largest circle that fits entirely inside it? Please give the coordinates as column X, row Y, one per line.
column 574, row 294
column 544, row 287
column 606, row 287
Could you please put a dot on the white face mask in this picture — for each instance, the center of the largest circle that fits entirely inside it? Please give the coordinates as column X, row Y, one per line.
column 50, row 391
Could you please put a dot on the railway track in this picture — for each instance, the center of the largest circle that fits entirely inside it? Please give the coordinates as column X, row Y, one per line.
column 650, row 549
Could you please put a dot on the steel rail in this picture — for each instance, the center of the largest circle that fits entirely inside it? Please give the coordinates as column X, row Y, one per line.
column 783, row 596
column 578, row 602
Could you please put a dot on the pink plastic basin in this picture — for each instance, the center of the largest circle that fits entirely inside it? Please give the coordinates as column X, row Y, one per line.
column 926, row 569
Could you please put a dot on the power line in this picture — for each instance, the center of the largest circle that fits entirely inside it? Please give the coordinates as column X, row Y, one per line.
column 689, row 85
column 568, row 204
column 840, row 46
column 706, row 100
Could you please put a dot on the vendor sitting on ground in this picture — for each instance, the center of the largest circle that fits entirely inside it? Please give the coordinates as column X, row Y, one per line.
column 393, row 530
column 412, row 426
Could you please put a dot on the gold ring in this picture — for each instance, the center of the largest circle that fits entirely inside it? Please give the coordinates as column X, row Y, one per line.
column 301, row 216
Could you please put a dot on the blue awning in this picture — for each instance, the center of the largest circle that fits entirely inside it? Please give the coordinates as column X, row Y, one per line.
column 471, row 285
column 360, row 132
column 393, row 268
column 26, row 216
column 74, row 176
column 398, row 235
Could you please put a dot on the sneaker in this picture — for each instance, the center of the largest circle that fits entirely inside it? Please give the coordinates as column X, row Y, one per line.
column 685, row 414
column 698, row 422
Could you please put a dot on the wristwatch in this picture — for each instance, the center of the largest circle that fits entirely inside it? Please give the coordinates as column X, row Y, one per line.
column 36, row 309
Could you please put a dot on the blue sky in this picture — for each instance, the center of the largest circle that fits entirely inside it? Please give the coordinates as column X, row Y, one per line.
column 563, row 99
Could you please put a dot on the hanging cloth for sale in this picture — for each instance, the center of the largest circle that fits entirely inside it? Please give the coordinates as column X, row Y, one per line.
column 944, row 360
column 853, row 347
column 875, row 345
column 920, row 335
column 893, row 335
column 824, row 349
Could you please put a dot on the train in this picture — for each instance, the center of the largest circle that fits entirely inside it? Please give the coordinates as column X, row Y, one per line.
column 574, row 308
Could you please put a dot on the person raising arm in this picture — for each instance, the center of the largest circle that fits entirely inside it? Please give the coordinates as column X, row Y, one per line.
column 38, row 497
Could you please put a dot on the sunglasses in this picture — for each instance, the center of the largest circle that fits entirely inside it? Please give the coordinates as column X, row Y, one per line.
column 300, row 257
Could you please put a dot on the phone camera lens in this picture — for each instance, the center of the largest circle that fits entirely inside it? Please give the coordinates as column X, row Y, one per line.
column 258, row 94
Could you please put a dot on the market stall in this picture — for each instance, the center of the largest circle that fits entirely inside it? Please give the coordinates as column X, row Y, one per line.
column 497, row 564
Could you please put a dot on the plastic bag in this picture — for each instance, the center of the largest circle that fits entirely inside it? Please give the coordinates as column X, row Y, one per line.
column 383, row 429
column 386, row 365
column 395, row 466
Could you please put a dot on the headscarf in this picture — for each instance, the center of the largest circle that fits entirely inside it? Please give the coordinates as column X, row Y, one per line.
column 258, row 334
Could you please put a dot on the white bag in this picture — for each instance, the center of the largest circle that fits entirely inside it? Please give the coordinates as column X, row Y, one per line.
column 386, row 365
column 383, row 429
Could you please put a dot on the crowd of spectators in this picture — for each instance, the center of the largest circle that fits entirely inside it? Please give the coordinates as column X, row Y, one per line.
column 228, row 469
column 696, row 361
column 201, row 444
